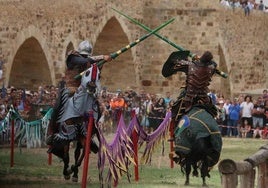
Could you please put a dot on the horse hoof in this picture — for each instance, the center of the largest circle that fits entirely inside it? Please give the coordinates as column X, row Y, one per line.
column 75, row 179
column 195, row 173
column 205, row 185
column 186, row 183
column 69, row 171
column 67, row 177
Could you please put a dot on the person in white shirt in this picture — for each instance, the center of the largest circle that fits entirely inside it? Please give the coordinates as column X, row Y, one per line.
column 247, row 107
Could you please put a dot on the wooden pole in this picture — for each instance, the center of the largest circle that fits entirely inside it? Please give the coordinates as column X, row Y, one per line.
column 87, row 149
column 171, row 133
column 49, row 161
column 135, row 139
column 12, row 143
column 118, row 116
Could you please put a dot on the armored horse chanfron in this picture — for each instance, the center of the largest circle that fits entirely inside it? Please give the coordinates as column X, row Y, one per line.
column 70, row 119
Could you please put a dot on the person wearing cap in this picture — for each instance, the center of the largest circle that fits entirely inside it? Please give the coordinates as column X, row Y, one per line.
column 199, row 72
column 78, row 60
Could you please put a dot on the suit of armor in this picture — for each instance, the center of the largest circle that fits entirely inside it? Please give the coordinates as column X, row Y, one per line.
column 198, row 77
column 77, row 63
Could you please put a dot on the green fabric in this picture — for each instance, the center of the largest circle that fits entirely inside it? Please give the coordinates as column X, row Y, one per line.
column 198, row 123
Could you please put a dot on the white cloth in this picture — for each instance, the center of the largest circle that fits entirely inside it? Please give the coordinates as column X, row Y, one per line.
column 246, row 109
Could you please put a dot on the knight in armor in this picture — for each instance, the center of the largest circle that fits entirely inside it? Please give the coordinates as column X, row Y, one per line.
column 198, row 72
column 78, row 60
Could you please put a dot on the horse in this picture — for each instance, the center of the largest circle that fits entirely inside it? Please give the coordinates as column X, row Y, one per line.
column 69, row 121
column 198, row 143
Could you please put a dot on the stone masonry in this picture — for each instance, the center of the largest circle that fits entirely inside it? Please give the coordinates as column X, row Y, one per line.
column 37, row 34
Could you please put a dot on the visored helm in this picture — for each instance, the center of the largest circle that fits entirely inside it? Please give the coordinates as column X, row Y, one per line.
column 85, row 48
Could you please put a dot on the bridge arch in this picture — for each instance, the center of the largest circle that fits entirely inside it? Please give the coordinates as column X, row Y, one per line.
column 111, row 38
column 30, row 60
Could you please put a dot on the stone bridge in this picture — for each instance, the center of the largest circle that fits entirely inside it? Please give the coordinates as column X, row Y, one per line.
column 36, row 35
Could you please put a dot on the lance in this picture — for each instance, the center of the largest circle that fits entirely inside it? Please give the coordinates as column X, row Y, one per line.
column 221, row 73
column 122, row 50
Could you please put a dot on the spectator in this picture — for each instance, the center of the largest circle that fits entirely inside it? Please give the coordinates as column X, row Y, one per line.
column 264, row 95
column 236, row 4
column 225, row 3
column 1, row 68
column 257, row 133
column 265, row 132
column 159, row 112
column 226, row 106
column 232, row 122
column 213, row 96
column 247, row 107
column 145, row 112
column 118, row 105
column 261, row 6
column 221, row 117
column 258, row 115
column 243, row 129
column 167, row 98
column 2, row 111
column 266, row 112
column 248, row 6
column 41, row 93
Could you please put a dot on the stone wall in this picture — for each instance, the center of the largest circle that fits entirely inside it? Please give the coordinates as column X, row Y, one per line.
column 36, row 35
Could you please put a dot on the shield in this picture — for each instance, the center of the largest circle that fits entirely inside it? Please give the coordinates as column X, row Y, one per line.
column 168, row 67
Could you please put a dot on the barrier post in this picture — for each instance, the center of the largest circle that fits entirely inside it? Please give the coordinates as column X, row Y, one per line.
column 135, row 139
column 171, row 133
column 49, row 157
column 12, row 143
column 87, row 149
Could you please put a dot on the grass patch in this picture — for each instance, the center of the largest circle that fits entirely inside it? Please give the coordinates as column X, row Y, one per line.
column 31, row 168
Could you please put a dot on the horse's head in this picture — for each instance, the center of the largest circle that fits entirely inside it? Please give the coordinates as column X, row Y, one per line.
column 90, row 79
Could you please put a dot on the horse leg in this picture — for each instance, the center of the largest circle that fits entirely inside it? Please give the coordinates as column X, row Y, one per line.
column 188, row 171
column 204, row 172
column 78, row 161
column 195, row 172
column 66, row 160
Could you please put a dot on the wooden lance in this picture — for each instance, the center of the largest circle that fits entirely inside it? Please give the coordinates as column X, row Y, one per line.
column 122, row 50
column 221, row 73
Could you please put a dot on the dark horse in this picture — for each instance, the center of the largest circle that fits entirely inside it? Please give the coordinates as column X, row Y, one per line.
column 198, row 143
column 69, row 121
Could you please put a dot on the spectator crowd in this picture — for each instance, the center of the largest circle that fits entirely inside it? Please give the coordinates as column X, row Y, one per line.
column 243, row 116
column 247, row 5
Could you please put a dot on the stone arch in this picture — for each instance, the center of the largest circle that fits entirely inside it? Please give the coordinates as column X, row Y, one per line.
column 30, row 68
column 110, row 39
column 31, row 50
column 67, row 46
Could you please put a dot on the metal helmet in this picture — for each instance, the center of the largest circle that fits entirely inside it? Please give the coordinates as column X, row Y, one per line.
column 85, row 48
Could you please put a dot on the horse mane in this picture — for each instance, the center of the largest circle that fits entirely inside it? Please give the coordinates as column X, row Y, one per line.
column 58, row 108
